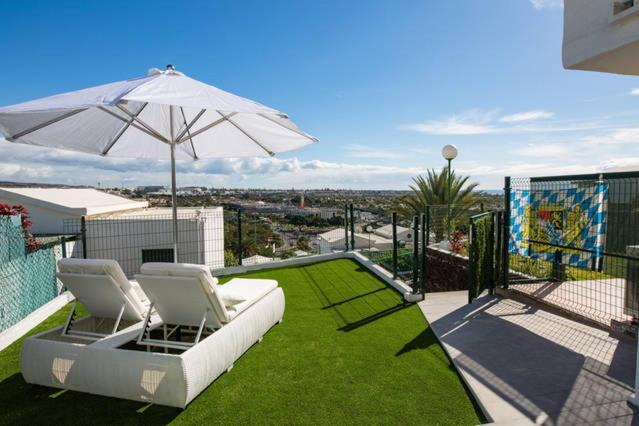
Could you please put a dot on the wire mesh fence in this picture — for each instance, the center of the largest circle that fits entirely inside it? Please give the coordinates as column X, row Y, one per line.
column 27, row 275
column 214, row 237
column 147, row 236
column 574, row 243
column 424, row 252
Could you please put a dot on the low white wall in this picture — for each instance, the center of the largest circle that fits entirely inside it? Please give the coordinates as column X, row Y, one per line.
column 21, row 328
column 377, row 270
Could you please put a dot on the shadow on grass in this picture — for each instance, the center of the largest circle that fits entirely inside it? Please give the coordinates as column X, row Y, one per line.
column 376, row 316
column 351, row 299
column 23, row 403
column 423, row 340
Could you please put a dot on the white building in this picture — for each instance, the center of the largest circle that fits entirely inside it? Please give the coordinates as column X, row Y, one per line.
column 257, row 260
column 403, row 234
column 146, row 235
column 50, row 207
column 334, row 241
column 601, row 35
column 122, row 229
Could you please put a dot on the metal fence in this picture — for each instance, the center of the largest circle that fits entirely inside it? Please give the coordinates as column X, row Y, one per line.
column 27, row 275
column 573, row 242
column 215, row 237
column 145, row 236
column 415, row 255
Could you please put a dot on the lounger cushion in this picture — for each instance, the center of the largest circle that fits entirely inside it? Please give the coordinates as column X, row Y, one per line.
column 231, row 298
column 251, row 290
column 104, row 267
column 201, row 272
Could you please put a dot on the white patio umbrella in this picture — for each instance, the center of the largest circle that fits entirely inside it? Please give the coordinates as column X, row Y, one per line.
column 165, row 115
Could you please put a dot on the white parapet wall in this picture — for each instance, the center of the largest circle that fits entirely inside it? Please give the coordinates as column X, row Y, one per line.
column 377, row 270
column 16, row 331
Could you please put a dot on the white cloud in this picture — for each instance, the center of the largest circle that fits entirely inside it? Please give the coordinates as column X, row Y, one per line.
column 626, row 135
column 472, row 122
column 477, row 122
column 541, row 150
column 547, row 4
column 363, row 151
column 526, row 116
column 34, row 164
column 634, row 92
column 621, row 165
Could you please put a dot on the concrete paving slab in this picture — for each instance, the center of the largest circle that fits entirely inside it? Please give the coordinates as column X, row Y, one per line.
column 525, row 365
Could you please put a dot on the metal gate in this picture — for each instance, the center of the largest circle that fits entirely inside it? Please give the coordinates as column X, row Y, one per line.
column 573, row 242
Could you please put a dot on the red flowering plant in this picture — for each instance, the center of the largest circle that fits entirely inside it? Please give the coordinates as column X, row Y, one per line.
column 18, row 210
column 457, row 241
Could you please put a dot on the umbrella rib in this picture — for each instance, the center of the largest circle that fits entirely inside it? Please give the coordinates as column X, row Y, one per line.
column 142, row 123
column 122, row 130
column 142, row 129
column 188, row 127
column 45, row 124
column 208, row 126
column 188, row 132
column 269, row 152
column 314, row 139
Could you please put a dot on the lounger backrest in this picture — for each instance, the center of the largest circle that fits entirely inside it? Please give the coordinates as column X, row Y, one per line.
column 182, row 292
column 101, row 287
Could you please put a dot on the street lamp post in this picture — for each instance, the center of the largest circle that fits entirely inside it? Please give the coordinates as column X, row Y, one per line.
column 449, row 152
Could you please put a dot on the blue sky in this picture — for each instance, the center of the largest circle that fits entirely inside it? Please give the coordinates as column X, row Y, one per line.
column 384, row 85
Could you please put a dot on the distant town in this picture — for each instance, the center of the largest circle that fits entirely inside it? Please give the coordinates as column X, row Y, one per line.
column 282, row 223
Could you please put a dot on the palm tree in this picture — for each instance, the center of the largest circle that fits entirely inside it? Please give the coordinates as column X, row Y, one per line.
column 432, row 191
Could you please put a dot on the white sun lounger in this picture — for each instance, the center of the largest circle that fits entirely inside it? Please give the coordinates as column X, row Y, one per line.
column 103, row 289
column 187, row 295
column 236, row 316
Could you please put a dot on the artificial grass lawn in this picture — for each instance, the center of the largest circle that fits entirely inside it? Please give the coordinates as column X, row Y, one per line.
column 348, row 351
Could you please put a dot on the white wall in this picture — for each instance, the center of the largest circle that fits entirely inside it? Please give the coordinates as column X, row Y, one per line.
column 45, row 221
column 593, row 41
column 200, row 238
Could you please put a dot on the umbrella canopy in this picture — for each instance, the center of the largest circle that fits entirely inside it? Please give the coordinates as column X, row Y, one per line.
column 164, row 115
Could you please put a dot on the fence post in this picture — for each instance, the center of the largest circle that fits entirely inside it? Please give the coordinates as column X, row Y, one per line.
column 491, row 253
column 471, row 262
column 83, row 232
column 239, row 237
column 345, row 227
column 506, row 236
column 352, row 229
column 63, row 247
column 415, row 254
column 394, row 224
column 481, row 207
column 558, row 269
column 498, row 250
column 422, row 282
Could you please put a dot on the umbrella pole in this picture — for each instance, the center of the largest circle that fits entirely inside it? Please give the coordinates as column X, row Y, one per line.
column 174, row 205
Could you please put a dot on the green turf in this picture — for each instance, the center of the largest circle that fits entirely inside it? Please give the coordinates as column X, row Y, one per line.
column 348, row 351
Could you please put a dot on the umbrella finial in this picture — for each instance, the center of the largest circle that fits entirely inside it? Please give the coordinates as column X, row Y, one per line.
column 170, row 67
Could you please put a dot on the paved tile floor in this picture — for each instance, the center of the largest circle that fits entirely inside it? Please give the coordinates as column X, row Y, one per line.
column 526, row 365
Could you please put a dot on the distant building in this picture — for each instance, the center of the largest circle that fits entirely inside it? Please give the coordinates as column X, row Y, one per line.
column 334, row 241
column 50, row 207
column 403, row 234
column 122, row 229
column 152, row 188
column 257, row 260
